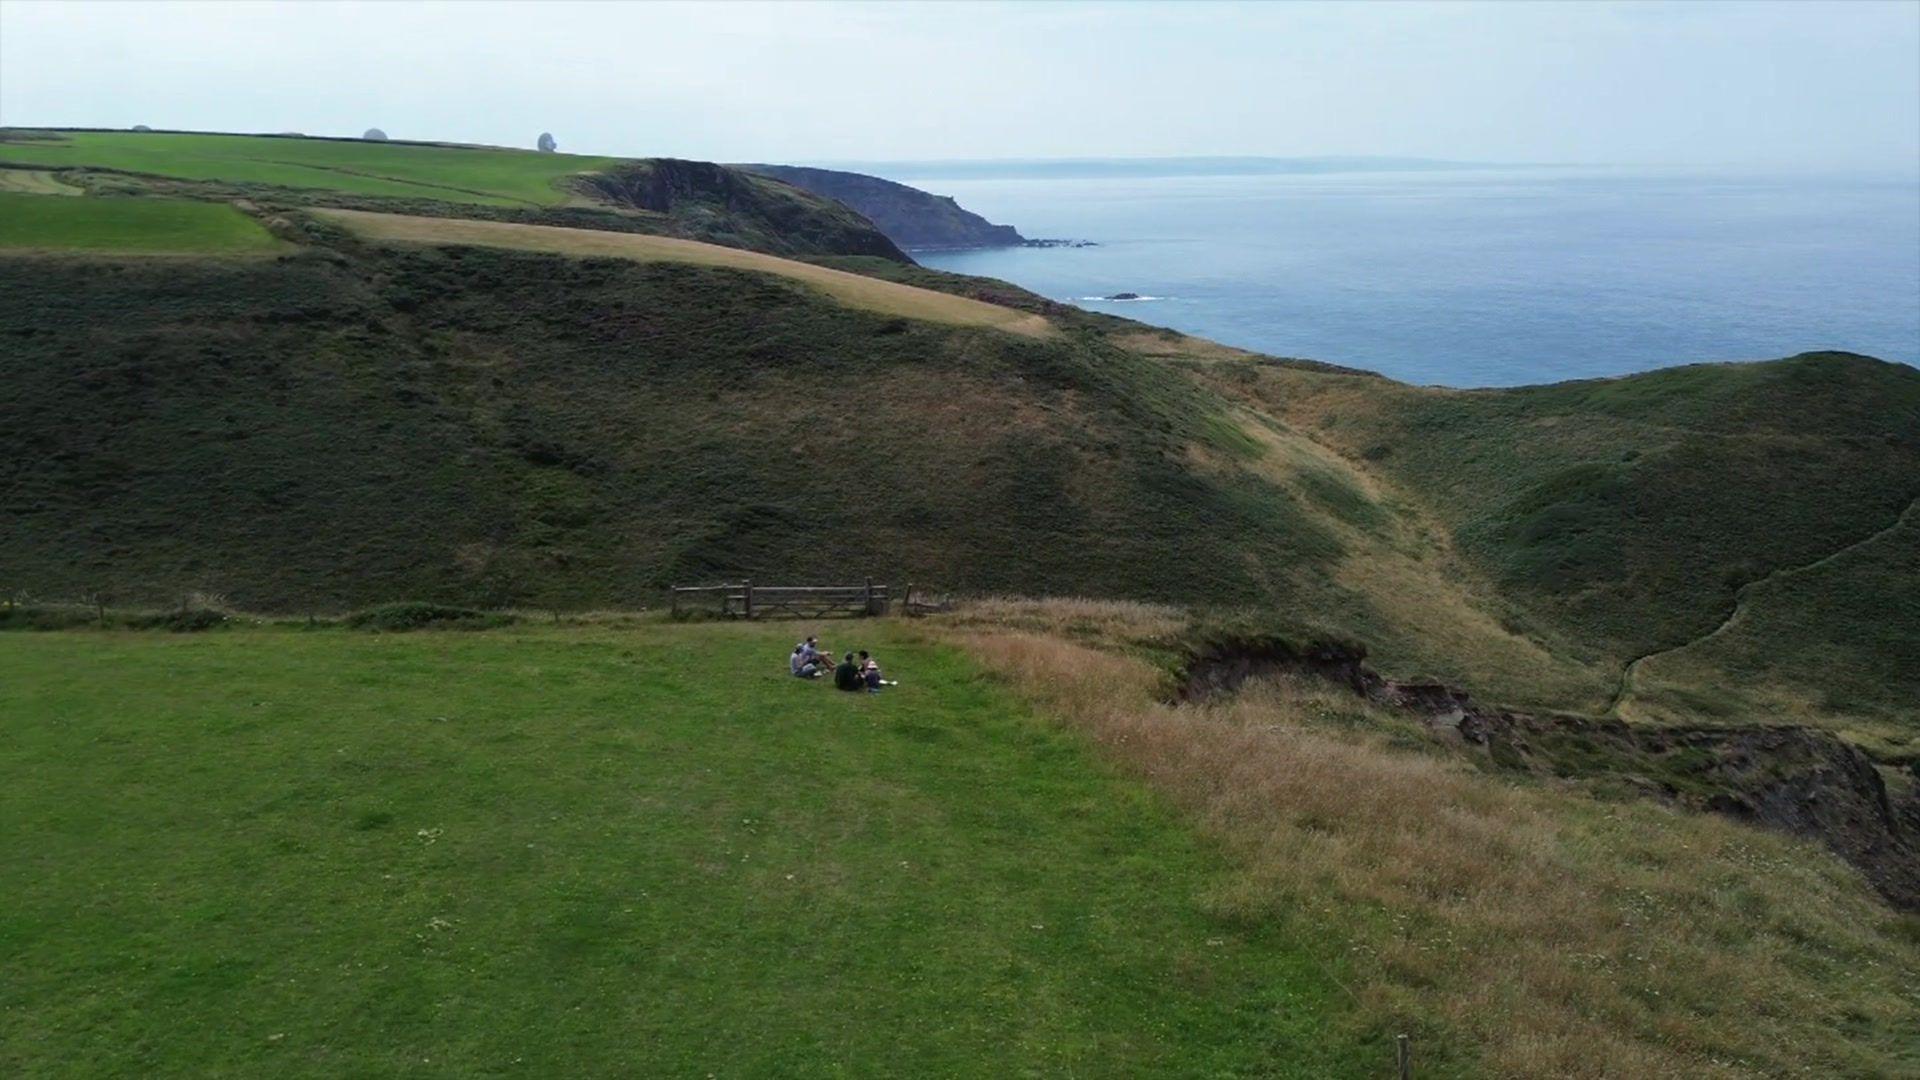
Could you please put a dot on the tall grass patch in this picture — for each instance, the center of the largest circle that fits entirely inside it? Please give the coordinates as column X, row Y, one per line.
column 1517, row 930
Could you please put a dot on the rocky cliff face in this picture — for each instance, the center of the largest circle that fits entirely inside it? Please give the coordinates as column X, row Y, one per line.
column 724, row 205
column 910, row 217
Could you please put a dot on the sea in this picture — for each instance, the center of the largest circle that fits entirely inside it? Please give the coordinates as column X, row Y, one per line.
column 1471, row 277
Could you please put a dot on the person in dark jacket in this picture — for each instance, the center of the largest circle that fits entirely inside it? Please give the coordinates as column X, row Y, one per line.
column 847, row 676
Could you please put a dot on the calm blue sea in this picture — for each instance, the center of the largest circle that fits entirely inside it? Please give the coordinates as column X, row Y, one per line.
column 1479, row 277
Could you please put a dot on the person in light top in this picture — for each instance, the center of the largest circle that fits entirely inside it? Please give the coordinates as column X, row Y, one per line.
column 808, row 660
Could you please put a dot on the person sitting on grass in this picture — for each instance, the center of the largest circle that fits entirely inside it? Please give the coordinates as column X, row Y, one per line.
column 847, row 675
column 870, row 673
column 808, row 661
column 802, row 667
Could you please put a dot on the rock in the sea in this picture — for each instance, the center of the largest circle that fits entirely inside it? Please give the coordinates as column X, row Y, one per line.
column 546, row 143
column 375, row 135
column 1122, row 296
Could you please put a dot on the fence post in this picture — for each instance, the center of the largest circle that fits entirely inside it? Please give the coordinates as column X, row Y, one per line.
column 1404, row 1048
column 676, row 600
column 746, row 592
column 869, row 596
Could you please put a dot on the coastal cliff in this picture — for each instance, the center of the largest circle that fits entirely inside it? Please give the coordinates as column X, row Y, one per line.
column 910, row 217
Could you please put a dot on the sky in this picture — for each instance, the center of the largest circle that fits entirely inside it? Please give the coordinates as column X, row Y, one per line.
column 1816, row 85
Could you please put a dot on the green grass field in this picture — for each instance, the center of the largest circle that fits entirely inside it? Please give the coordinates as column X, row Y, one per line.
column 452, row 174
column 583, row 852
column 140, row 226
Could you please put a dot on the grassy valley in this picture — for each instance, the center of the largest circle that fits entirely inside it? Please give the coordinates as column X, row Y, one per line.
column 585, row 415
column 1624, row 518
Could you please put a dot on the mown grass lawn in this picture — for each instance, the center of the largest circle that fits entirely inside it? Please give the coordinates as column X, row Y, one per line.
column 568, row 851
column 153, row 226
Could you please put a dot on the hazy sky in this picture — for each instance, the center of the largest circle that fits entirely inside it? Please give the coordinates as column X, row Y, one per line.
column 1819, row 84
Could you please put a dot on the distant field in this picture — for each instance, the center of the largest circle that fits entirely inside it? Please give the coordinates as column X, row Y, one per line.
column 150, row 226
column 453, row 174
column 854, row 290
column 600, row 852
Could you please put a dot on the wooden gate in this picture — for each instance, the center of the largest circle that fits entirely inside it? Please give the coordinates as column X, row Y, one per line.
column 749, row 601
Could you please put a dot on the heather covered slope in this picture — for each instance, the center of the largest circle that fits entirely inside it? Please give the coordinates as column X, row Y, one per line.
column 505, row 427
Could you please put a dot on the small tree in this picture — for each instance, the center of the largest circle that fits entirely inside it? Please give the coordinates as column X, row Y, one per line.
column 375, row 135
column 546, row 143
column 141, row 127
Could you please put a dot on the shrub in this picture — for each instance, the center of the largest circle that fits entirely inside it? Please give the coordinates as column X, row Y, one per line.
column 44, row 617
column 395, row 618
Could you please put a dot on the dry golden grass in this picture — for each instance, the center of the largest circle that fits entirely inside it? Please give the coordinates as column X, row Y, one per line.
column 1173, row 345
column 1107, row 622
column 1402, row 563
column 35, row 182
column 854, row 290
column 1517, row 930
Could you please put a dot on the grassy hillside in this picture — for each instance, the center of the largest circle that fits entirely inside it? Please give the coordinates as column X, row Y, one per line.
column 853, row 290
column 1624, row 516
column 1515, row 929
column 538, row 848
column 1832, row 642
column 499, row 404
column 693, row 200
column 48, row 222
column 510, row 427
column 599, row 853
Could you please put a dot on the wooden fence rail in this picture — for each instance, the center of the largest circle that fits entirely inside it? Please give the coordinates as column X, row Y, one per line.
column 749, row 601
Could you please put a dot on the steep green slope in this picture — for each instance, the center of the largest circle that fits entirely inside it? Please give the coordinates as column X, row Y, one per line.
column 1835, row 642
column 504, row 427
column 1625, row 516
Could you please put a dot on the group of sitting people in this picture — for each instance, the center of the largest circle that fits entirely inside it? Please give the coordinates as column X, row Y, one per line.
column 810, row 661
